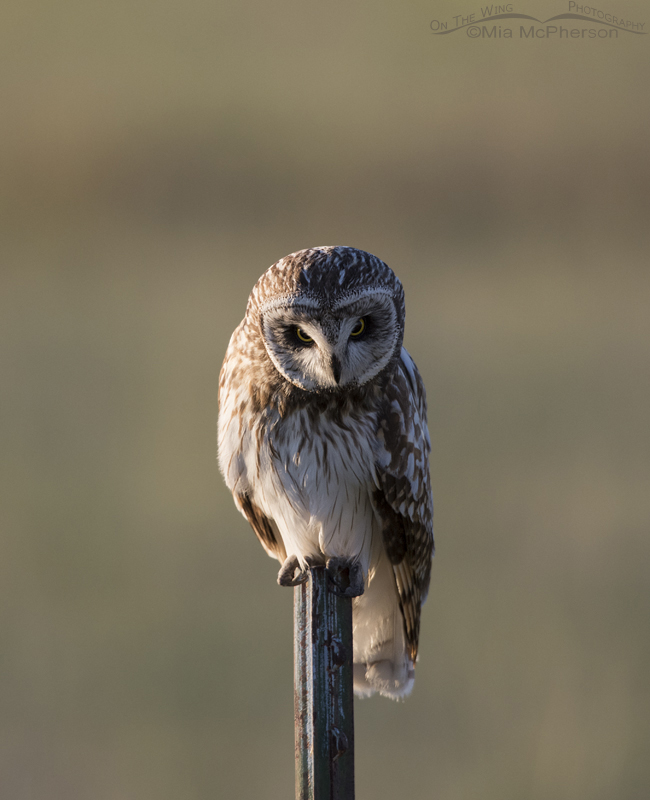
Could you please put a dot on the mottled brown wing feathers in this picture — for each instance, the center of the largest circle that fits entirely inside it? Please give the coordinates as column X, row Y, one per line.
column 393, row 525
column 403, row 499
column 263, row 527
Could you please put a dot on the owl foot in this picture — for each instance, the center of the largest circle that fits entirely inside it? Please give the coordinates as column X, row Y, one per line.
column 287, row 574
column 346, row 577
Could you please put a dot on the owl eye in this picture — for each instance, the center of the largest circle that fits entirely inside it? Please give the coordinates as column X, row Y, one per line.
column 303, row 336
column 359, row 328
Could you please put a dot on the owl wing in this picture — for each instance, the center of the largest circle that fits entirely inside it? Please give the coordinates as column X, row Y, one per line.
column 232, row 391
column 403, row 496
column 264, row 527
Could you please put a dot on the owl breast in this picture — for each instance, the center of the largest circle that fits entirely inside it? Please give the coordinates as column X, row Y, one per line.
column 314, row 476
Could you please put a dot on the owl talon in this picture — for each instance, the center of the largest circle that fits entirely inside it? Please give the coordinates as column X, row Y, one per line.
column 287, row 574
column 346, row 577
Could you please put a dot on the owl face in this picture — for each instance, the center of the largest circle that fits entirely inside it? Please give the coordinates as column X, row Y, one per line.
column 324, row 344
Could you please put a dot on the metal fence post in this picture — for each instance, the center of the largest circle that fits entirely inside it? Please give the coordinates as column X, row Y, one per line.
column 323, row 695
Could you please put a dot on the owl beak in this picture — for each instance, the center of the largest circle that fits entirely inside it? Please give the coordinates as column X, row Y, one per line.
column 336, row 368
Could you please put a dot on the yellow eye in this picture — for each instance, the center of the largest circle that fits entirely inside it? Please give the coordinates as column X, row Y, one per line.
column 359, row 328
column 303, row 336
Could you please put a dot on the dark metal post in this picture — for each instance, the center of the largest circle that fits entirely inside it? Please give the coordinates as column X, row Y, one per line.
column 323, row 690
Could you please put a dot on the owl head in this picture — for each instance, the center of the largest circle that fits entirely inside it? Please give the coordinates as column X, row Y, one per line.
column 331, row 318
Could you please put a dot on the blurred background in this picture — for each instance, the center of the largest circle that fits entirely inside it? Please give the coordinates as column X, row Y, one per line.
column 156, row 158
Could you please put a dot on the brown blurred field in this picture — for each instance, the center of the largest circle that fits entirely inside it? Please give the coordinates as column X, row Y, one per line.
column 155, row 159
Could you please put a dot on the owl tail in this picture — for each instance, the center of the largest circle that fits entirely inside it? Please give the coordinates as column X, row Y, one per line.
column 381, row 661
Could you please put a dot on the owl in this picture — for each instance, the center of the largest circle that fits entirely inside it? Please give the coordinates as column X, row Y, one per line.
column 324, row 445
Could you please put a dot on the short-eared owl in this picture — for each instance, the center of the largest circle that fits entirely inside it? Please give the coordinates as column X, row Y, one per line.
column 323, row 442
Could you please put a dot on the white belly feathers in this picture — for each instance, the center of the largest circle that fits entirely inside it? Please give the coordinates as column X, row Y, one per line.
column 315, row 479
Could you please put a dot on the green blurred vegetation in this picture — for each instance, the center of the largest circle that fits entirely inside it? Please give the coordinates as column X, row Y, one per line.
column 156, row 158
